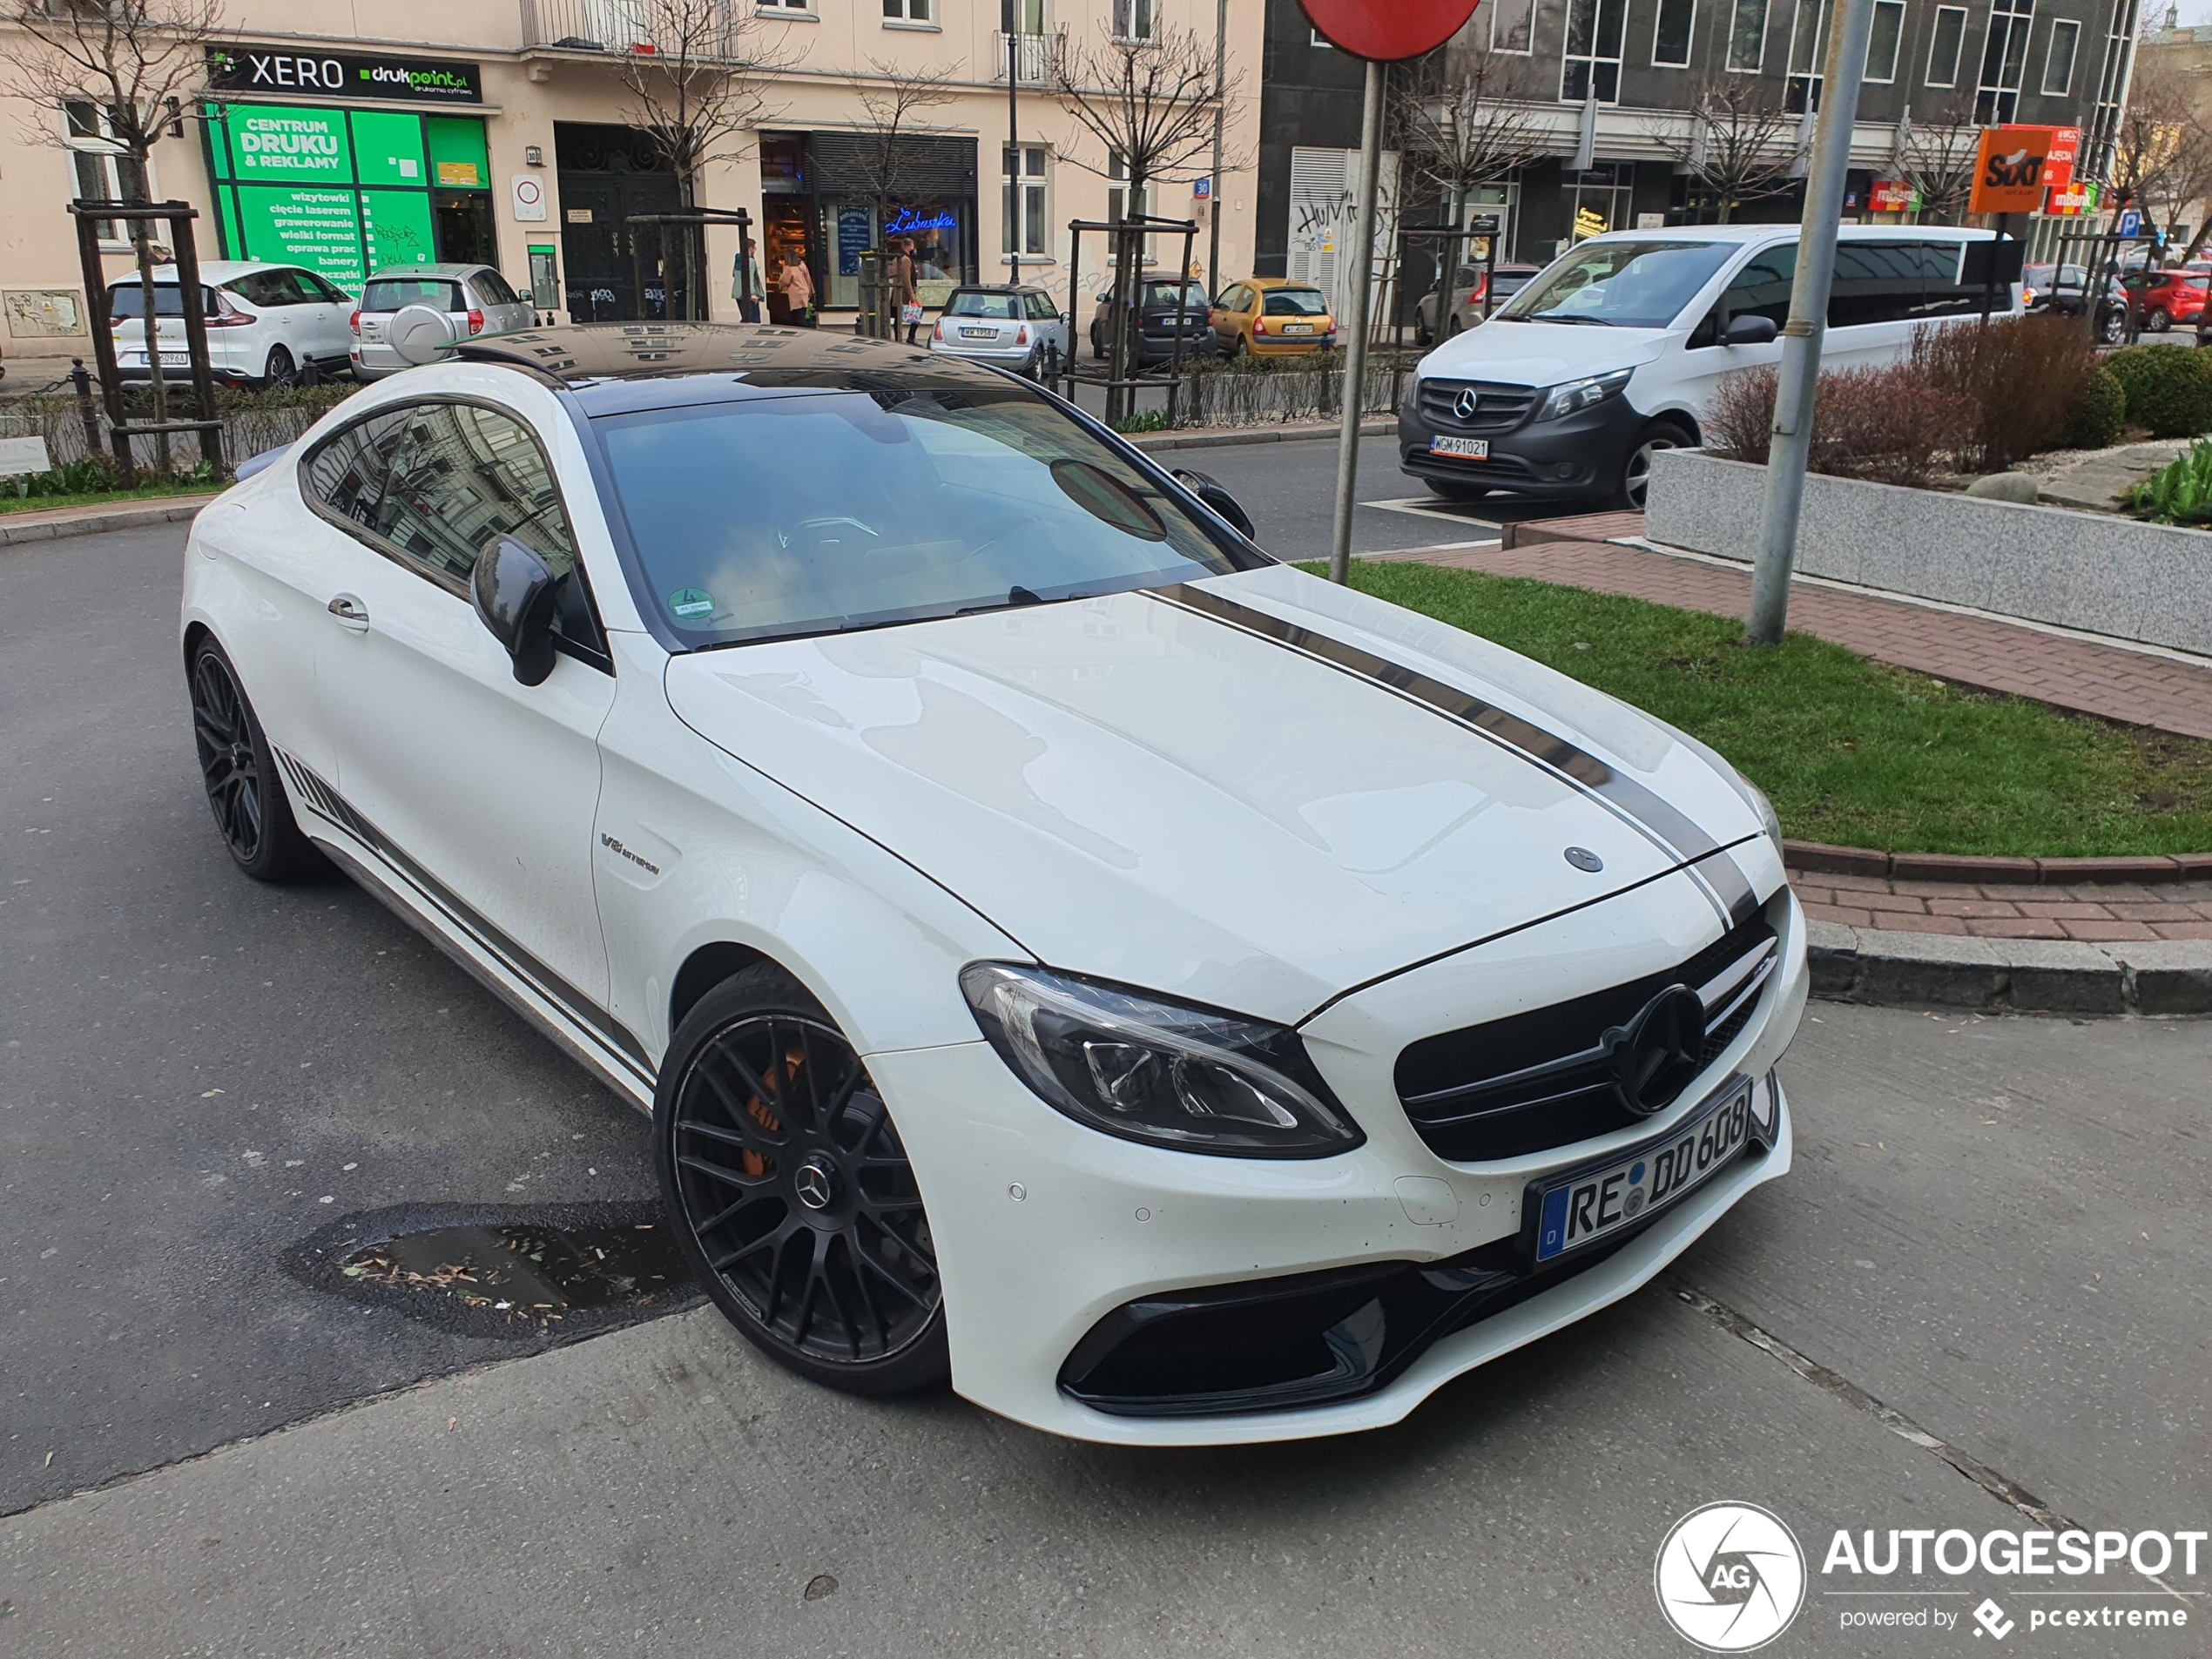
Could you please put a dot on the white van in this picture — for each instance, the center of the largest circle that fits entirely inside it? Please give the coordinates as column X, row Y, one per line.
column 1614, row 350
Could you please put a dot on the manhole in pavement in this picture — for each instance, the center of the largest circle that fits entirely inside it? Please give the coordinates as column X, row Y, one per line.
column 508, row 1271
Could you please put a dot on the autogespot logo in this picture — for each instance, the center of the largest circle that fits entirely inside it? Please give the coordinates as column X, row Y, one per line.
column 1730, row 1577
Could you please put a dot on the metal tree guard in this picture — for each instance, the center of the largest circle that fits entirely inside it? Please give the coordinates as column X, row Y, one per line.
column 179, row 216
column 693, row 222
column 1122, row 380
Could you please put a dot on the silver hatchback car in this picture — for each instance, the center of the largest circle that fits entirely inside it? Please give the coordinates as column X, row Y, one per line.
column 1016, row 328
column 475, row 298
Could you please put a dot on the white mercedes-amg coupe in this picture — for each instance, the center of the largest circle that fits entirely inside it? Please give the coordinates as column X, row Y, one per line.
column 1062, row 948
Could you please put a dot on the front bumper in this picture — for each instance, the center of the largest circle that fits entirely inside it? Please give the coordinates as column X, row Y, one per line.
column 1576, row 455
column 1045, row 1231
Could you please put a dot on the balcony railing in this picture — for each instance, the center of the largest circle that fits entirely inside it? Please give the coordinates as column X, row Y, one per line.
column 1032, row 56
column 628, row 27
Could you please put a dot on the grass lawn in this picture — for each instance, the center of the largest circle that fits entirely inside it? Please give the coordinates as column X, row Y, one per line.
column 1849, row 750
column 10, row 503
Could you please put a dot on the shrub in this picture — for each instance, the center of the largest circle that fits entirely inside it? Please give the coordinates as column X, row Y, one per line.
column 2168, row 389
column 1882, row 424
column 2098, row 413
column 2180, row 493
column 1143, row 420
column 2021, row 375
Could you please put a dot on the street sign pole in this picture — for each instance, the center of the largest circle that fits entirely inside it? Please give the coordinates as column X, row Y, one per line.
column 1801, row 336
column 1355, row 352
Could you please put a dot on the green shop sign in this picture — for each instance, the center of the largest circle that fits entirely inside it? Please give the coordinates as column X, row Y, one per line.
column 341, row 192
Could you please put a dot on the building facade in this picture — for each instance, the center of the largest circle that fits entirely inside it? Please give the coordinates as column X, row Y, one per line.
column 1610, row 84
column 345, row 138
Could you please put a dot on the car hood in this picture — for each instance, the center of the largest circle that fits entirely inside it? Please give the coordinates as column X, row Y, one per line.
column 1539, row 353
column 1139, row 790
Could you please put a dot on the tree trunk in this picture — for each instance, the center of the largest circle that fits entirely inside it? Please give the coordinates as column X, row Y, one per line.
column 142, row 245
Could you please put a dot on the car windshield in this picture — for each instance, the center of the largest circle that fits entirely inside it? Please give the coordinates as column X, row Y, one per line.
column 129, row 299
column 969, row 303
column 822, row 512
column 1296, row 302
column 1625, row 284
column 389, row 293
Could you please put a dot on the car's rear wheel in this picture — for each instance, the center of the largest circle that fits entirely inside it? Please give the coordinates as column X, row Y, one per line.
column 279, row 369
column 1097, row 343
column 238, row 772
column 2157, row 320
column 796, row 1203
column 1453, row 328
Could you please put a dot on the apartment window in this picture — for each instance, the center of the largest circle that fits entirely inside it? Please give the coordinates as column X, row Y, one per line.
column 1022, row 16
column 1023, row 221
column 2058, row 59
column 1512, row 25
column 1808, row 42
column 906, row 10
column 104, row 172
column 2003, row 61
column 784, row 5
column 1136, row 19
column 1747, row 37
column 1881, row 45
column 1592, row 61
column 1670, row 34
column 1945, row 44
column 1123, row 202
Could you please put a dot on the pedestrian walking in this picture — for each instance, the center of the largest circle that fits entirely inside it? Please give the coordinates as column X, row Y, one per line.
column 745, row 282
column 798, row 285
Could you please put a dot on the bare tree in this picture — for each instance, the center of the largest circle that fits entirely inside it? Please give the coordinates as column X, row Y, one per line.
column 129, row 70
column 1460, row 121
column 2162, row 153
column 893, row 108
column 1737, row 141
column 696, row 93
column 1150, row 104
column 1937, row 158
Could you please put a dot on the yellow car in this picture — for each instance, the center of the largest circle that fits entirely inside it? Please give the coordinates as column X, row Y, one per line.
column 1272, row 317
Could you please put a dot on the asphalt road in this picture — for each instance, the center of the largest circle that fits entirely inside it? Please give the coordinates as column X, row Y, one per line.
column 1995, row 1228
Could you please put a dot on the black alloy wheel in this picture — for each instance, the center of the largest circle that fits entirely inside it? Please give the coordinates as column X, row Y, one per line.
column 800, row 1213
column 244, row 792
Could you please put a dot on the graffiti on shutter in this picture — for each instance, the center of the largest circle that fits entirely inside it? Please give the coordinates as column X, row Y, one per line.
column 1325, row 186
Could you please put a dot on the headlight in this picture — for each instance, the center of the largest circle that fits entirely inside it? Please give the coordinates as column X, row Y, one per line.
column 1577, row 395
column 1763, row 807
column 1133, row 1066
column 1754, row 797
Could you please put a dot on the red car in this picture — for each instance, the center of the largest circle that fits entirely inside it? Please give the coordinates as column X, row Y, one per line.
column 2164, row 298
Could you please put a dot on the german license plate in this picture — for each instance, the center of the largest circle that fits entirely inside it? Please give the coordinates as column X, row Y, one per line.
column 1466, row 448
column 1593, row 1203
column 1298, row 328
column 979, row 334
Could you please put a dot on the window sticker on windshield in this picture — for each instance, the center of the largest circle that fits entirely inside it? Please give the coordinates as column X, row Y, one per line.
column 691, row 602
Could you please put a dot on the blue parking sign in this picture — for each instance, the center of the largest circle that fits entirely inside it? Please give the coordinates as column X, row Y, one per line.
column 2130, row 222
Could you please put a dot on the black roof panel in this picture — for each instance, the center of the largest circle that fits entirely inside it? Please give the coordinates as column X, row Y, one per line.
column 625, row 366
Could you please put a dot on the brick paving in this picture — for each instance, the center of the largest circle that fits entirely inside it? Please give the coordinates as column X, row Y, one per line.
column 2105, row 913
column 2129, row 686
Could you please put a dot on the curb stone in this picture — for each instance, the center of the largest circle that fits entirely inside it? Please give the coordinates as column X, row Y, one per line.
column 1231, row 437
column 95, row 520
column 2025, row 976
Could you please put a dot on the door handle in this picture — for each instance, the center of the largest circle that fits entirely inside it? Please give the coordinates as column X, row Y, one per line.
column 351, row 613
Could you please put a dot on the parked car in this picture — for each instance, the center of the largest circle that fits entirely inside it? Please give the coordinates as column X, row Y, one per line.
column 475, row 299
column 1272, row 317
column 264, row 323
column 1156, row 325
column 1018, row 328
column 1488, row 290
column 2063, row 290
column 2162, row 299
column 875, row 769
column 1613, row 350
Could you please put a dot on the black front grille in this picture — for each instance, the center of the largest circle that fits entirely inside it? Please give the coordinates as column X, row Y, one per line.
column 1498, row 407
column 1545, row 1078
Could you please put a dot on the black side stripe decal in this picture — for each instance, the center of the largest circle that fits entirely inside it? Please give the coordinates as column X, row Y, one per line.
column 518, row 962
column 1661, row 823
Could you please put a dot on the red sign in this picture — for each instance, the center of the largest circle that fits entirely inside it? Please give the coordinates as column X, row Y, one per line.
column 2008, row 171
column 1387, row 30
column 2058, row 165
column 1890, row 196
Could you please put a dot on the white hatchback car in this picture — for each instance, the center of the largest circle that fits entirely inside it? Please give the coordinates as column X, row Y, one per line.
column 264, row 323
column 1062, row 948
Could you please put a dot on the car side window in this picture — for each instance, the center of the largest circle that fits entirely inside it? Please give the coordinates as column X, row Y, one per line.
column 494, row 287
column 1876, row 282
column 345, row 473
column 1760, row 288
column 261, row 289
column 464, row 476
column 1043, row 309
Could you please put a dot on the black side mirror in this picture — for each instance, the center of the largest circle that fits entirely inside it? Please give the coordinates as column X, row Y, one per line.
column 515, row 595
column 1749, row 331
column 1209, row 490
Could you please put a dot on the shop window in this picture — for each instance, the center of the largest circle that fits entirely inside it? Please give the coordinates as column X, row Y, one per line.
column 1023, row 224
column 1944, row 42
column 104, row 172
column 1671, row 32
column 1592, row 61
column 1747, row 37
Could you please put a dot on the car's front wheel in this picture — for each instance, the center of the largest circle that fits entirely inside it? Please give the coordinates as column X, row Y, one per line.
column 793, row 1196
column 1636, row 471
column 238, row 772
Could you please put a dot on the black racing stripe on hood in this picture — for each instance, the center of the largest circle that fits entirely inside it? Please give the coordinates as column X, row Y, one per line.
column 1663, row 823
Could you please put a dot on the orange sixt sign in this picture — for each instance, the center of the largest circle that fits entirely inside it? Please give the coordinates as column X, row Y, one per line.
column 2008, row 171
